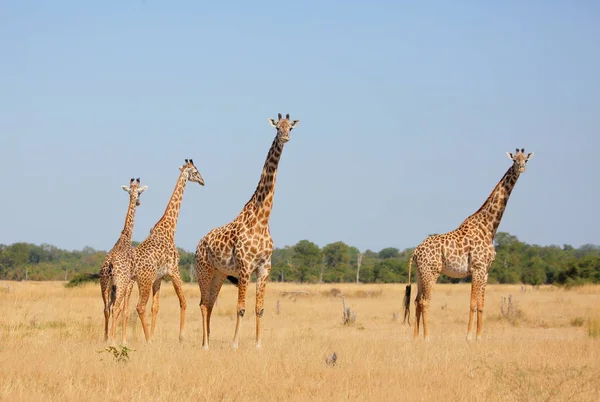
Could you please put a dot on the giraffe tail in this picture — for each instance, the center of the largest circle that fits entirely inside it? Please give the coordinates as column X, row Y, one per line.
column 233, row 280
column 407, row 293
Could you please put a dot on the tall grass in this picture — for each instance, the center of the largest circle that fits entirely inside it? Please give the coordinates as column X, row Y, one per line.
column 50, row 337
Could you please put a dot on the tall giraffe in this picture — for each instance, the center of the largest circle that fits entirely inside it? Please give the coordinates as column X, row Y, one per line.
column 117, row 269
column 465, row 251
column 158, row 256
column 244, row 245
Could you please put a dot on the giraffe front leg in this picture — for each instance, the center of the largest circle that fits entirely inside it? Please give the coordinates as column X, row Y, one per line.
column 155, row 304
column 477, row 284
column 261, row 282
column 241, row 305
column 176, row 279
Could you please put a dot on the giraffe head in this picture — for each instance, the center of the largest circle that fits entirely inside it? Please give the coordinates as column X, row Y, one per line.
column 191, row 172
column 520, row 159
column 283, row 126
column 134, row 190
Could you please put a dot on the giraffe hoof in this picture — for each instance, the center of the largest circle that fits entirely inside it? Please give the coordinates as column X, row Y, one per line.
column 234, row 346
column 205, row 347
column 242, row 312
column 258, row 345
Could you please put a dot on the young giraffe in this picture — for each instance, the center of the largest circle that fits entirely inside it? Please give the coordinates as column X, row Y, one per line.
column 465, row 251
column 158, row 256
column 117, row 269
column 237, row 249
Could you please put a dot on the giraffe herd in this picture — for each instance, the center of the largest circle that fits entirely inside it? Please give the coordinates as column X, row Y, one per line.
column 237, row 249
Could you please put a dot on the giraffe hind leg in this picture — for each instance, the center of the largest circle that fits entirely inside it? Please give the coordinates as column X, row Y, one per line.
column 215, row 288
column 144, row 289
column 105, row 282
column 155, row 304
column 204, row 274
column 418, row 310
column 428, row 275
column 177, row 285
column 261, row 282
column 118, row 301
column 126, row 311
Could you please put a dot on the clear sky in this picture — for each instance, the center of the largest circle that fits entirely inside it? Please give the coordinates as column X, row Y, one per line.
column 406, row 112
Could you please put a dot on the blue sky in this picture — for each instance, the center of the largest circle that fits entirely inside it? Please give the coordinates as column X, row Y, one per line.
column 406, row 111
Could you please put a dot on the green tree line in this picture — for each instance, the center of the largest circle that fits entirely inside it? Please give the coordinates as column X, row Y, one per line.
column 306, row 262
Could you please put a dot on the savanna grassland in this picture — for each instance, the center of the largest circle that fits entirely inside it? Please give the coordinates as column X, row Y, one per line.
column 545, row 345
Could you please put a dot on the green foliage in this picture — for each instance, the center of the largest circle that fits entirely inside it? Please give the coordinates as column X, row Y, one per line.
column 389, row 252
column 120, row 355
column 306, row 262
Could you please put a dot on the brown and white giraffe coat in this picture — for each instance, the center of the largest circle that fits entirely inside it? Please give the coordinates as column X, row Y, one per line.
column 117, row 269
column 243, row 246
column 158, row 256
column 465, row 251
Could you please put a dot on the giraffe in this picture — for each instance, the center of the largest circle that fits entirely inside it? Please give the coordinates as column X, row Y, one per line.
column 465, row 251
column 244, row 245
column 115, row 274
column 158, row 256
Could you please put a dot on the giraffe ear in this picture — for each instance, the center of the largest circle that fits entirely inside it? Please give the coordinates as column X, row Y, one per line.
column 142, row 189
column 510, row 155
column 125, row 188
column 529, row 155
column 295, row 123
column 272, row 121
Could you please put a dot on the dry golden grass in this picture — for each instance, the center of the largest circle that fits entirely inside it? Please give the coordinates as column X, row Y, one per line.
column 50, row 337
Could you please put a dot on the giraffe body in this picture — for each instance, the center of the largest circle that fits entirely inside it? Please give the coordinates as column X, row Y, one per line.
column 243, row 246
column 465, row 251
column 157, row 256
column 117, row 269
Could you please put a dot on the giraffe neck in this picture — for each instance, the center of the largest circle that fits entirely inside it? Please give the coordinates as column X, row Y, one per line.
column 261, row 201
column 490, row 213
column 127, row 231
column 168, row 223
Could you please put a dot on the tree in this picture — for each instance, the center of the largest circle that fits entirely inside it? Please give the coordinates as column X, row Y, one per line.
column 337, row 261
column 389, row 252
column 307, row 256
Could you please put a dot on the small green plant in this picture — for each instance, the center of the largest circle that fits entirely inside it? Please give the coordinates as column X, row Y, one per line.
column 593, row 328
column 577, row 322
column 120, row 355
